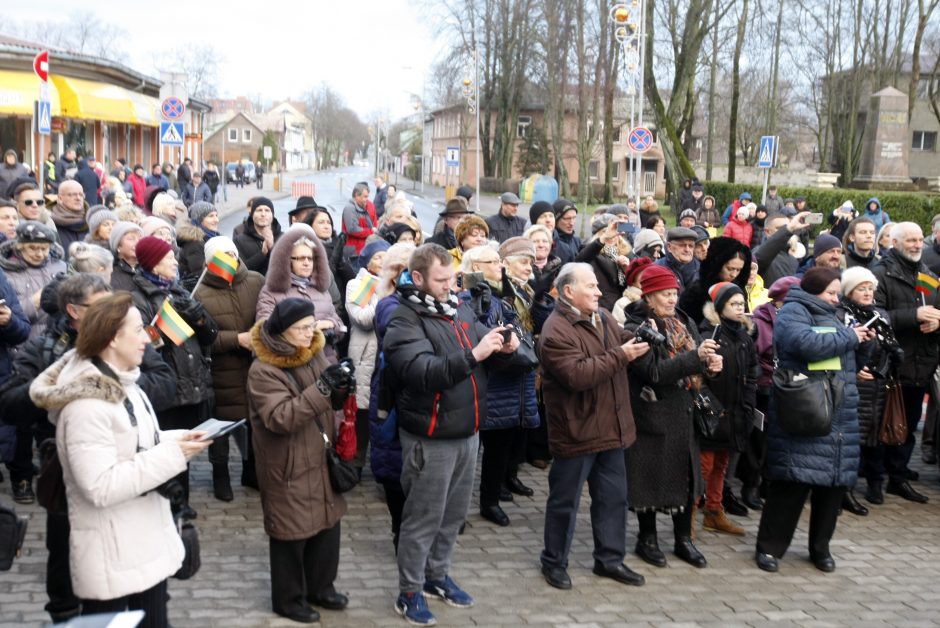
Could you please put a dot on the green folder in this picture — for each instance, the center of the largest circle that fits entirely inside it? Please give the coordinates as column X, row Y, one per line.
column 829, row 364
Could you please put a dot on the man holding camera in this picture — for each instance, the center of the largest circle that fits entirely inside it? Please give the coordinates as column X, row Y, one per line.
column 584, row 355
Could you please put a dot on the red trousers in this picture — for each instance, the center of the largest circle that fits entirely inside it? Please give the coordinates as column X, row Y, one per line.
column 714, row 467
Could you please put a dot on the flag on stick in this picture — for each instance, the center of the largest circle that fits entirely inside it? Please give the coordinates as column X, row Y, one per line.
column 172, row 324
column 223, row 265
column 365, row 292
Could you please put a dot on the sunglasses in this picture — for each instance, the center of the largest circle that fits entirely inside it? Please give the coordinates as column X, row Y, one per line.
column 30, row 202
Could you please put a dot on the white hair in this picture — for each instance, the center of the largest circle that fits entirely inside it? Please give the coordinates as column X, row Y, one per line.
column 472, row 256
column 567, row 275
column 901, row 229
column 537, row 229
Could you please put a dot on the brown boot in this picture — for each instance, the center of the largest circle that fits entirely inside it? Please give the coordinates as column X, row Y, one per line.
column 717, row 521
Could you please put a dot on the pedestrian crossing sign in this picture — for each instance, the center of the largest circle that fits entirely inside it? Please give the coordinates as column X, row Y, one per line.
column 44, row 118
column 767, row 154
column 171, row 133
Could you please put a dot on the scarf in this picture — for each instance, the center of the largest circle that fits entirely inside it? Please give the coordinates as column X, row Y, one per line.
column 300, row 282
column 67, row 218
column 679, row 340
column 412, row 294
column 611, row 252
column 156, row 280
column 209, row 233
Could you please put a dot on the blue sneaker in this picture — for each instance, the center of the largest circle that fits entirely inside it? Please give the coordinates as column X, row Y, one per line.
column 414, row 608
column 448, row 591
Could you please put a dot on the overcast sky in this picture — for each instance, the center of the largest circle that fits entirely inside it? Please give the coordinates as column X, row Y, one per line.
column 373, row 52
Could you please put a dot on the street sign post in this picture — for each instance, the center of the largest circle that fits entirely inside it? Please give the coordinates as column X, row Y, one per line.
column 43, row 111
column 43, row 117
column 640, row 139
column 171, row 133
column 41, row 65
column 453, row 156
column 172, row 108
column 767, row 159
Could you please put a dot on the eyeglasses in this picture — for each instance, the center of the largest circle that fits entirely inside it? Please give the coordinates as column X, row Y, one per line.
column 305, row 329
column 739, row 304
column 29, row 202
column 302, row 258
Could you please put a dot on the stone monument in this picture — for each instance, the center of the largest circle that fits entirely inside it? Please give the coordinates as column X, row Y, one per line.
column 886, row 144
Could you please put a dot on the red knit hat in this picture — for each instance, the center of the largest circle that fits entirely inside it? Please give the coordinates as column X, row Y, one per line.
column 656, row 278
column 636, row 267
column 150, row 251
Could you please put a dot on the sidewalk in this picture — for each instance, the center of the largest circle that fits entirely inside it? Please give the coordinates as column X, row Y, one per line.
column 489, row 203
column 238, row 197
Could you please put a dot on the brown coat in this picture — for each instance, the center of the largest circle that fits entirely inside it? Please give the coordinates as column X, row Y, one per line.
column 296, row 497
column 585, row 384
column 233, row 309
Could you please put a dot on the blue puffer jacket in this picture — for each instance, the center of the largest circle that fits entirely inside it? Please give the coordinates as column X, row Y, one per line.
column 510, row 399
column 830, row 460
column 880, row 217
column 385, row 455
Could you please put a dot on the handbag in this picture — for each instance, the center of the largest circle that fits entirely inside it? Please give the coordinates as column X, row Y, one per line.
column 524, row 359
column 804, row 402
column 706, row 414
column 894, row 420
column 12, row 533
column 191, row 561
column 50, row 483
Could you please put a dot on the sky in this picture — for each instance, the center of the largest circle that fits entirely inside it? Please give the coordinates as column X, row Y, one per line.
column 375, row 53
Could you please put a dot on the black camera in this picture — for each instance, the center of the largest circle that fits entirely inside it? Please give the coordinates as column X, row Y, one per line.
column 173, row 491
column 645, row 333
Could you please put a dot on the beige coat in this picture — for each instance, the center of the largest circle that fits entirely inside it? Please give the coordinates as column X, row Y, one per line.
column 363, row 343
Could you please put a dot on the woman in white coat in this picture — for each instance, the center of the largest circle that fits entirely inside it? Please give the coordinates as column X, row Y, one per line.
column 361, row 297
column 124, row 544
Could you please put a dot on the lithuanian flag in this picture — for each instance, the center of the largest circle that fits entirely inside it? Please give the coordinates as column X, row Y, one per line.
column 172, row 324
column 926, row 285
column 223, row 265
column 366, row 290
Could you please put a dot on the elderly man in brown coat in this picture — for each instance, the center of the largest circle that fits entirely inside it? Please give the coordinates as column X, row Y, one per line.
column 584, row 355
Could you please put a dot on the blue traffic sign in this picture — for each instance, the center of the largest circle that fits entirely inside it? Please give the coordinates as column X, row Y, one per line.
column 44, row 118
column 172, row 108
column 767, row 154
column 171, row 133
column 452, row 156
column 640, row 139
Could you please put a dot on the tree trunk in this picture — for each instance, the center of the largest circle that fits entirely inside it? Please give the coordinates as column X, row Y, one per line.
column 712, row 77
column 923, row 15
column 736, row 92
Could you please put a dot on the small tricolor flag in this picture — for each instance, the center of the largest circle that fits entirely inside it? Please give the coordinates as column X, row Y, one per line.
column 172, row 324
column 927, row 285
column 223, row 265
column 366, row 290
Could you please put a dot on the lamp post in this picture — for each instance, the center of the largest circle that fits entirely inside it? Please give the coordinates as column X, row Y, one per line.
column 628, row 20
column 471, row 89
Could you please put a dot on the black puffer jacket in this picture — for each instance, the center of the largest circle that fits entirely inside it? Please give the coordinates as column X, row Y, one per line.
column 249, row 244
column 898, row 296
column 192, row 254
column 720, row 251
column 441, row 388
column 189, row 361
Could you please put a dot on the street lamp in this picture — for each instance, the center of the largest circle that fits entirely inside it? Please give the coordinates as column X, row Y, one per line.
column 628, row 20
column 471, row 91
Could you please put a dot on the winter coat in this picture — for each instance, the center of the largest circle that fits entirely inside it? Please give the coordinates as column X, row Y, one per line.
column 897, row 295
column 708, row 216
column 297, row 498
column 736, row 385
column 720, row 252
column 852, row 259
column 566, row 246
column 122, row 277
column 123, row 539
column 192, row 254
column 630, row 295
column 740, row 230
column 384, row 456
column 250, row 245
column 139, row 186
column 9, row 174
column 232, row 307
column 502, row 228
column 16, row 331
column 931, row 256
column 880, row 217
column 70, row 226
column 64, row 169
column 189, row 361
column 441, row 387
column 381, row 197
column 757, row 294
column 280, row 284
column 89, row 181
column 666, row 449
column 765, row 316
column 830, row 460
column 685, row 273
column 357, row 225
column 773, row 259
column 444, row 237
column 585, row 387
column 27, row 280
column 211, row 178
column 363, row 344
column 184, row 175
column 773, row 204
column 610, row 282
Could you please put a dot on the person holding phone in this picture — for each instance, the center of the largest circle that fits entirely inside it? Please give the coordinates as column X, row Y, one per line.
column 608, row 254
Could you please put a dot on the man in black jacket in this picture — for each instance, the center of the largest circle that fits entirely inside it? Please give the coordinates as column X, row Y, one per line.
column 773, row 258
column 157, row 380
column 915, row 318
column 435, row 352
column 454, row 211
column 505, row 223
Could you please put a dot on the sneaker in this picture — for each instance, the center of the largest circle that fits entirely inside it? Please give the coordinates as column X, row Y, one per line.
column 414, row 608
column 23, row 492
column 448, row 591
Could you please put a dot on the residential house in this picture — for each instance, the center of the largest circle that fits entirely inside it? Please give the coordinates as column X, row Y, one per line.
column 236, row 139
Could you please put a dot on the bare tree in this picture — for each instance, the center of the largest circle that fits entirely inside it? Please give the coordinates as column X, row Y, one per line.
column 82, row 32
column 736, row 90
column 924, row 10
column 200, row 63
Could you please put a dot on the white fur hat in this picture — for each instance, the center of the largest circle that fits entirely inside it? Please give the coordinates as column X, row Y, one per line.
column 852, row 277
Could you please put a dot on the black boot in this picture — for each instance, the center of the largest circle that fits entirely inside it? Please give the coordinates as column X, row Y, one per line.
column 221, row 483
column 851, row 504
column 750, row 496
column 875, row 493
column 647, row 548
column 731, row 504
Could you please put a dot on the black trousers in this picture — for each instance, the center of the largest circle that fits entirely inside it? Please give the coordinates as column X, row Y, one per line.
column 62, row 601
column 782, row 510
column 21, row 466
column 395, row 500
column 152, row 602
column 500, row 449
column 681, row 522
column 896, row 458
column 536, row 446
column 303, row 570
column 362, row 437
column 750, row 467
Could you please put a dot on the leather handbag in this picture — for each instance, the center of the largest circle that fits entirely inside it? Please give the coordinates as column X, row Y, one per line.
column 191, row 561
column 343, row 474
column 894, row 420
column 50, row 483
column 524, row 359
column 706, row 413
column 12, row 533
column 805, row 402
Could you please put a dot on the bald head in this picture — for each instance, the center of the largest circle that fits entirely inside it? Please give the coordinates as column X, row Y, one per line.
column 72, row 196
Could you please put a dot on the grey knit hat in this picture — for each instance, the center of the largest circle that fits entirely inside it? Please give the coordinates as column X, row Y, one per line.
column 199, row 211
column 119, row 230
column 97, row 214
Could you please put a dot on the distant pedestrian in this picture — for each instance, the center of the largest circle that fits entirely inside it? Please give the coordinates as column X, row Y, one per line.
column 10, row 171
column 259, row 175
column 505, row 223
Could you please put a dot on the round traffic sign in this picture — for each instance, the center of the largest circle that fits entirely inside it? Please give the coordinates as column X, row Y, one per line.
column 172, row 108
column 41, row 65
column 640, row 139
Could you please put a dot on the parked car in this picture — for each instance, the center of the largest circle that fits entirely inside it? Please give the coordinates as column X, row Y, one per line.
column 250, row 175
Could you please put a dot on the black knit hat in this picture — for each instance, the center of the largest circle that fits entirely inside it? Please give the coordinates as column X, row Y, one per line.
column 393, row 232
column 286, row 313
column 538, row 208
column 258, row 201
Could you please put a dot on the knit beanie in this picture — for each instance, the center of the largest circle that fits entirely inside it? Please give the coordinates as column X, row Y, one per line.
column 721, row 292
column 852, row 277
column 121, row 229
column 517, row 246
column 561, row 205
column 198, row 211
column 825, row 242
column 601, row 221
column 286, row 313
column 538, row 208
column 393, row 232
column 817, row 279
column 636, row 267
column 656, row 278
column 257, row 202
column 97, row 215
column 369, row 251
column 645, row 239
column 152, row 224
column 223, row 244
column 778, row 290
column 150, row 251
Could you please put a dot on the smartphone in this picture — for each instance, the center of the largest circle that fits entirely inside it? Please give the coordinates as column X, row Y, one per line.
column 871, row 320
column 472, row 280
column 814, row 219
column 507, row 334
column 626, row 227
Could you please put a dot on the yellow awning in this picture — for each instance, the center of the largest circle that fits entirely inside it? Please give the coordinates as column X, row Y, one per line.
column 89, row 100
column 18, row 91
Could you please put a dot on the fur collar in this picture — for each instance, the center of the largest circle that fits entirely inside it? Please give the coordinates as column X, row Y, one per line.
column 186, row 231
column 276, row 352
column 278, row 278
column 708, row 311
column 72, row 378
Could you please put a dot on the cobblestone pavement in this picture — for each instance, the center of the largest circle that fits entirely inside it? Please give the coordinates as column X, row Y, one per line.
column 888, row 570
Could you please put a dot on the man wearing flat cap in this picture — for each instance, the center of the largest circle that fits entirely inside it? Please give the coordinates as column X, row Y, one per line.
column 505, row 223
column 455, row 209
column 680, row 258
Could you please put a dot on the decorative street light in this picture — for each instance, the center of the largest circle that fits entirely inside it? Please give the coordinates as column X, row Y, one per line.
column 471, row 92
column 629, row 23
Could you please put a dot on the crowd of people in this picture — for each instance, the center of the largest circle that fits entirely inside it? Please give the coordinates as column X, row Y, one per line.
column 645, row 362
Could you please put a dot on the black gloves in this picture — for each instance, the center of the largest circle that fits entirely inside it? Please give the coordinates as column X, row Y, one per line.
column 337, row 381
column 190, row 309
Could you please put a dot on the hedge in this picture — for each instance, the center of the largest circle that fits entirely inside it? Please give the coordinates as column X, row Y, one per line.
column 916, row 207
